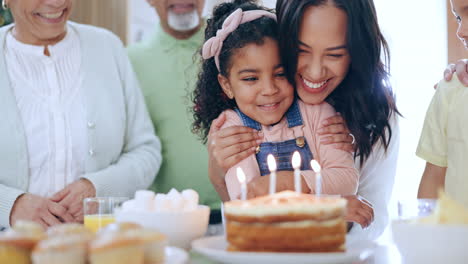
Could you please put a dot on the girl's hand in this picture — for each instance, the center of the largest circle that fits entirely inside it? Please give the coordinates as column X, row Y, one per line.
column 228, row 146
column 359, row 210
column 337, row 133
column 258, row 186
column 461, row 68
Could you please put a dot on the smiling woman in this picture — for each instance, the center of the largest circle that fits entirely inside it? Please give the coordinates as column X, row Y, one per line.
column 323, row 62
column 75, row 125
column 39, row 24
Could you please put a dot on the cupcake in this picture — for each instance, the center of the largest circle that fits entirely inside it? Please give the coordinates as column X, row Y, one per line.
column 30, row 228
column 69, row 229
column 116, row 248
column 16, row 243
column 120, row 227
column 70, row 249
column 154, row 244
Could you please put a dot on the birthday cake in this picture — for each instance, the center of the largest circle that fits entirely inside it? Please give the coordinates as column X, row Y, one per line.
column 286, row 222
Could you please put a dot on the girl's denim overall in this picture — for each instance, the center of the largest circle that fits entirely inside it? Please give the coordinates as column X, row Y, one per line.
column 282, row 151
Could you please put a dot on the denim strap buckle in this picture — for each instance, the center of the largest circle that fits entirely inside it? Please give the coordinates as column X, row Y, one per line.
column 300, row 142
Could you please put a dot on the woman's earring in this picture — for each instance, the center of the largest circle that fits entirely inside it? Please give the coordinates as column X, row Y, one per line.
column 4, row 5
column 229, row 94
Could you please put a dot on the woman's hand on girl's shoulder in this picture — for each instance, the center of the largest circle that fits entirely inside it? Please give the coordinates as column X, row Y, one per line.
column 228, row 146
column 460, row 68
column 335, row 131
column 359, row 210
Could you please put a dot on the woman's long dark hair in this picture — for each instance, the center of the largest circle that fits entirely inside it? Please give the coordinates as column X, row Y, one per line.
column 364, row 98
column 208, row 98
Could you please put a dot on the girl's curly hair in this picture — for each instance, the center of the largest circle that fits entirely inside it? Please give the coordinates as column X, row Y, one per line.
column 208, row 97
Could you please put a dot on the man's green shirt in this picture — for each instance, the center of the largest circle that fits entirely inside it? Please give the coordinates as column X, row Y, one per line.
column 167, row 69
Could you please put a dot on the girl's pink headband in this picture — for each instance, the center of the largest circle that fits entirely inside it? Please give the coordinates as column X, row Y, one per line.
column 213, row 46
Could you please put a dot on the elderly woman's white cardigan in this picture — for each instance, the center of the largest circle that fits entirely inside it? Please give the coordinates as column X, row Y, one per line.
column 126, row 153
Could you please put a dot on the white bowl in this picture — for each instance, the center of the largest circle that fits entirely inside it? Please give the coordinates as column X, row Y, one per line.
column 430, row 243
column 179, row 227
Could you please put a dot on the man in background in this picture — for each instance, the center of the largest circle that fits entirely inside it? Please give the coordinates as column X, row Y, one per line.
column 167, row 66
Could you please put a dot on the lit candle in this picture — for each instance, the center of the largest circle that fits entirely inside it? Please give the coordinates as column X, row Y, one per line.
column 241, row 178
column 318, row 177
column 296, row 163
column 272, row 167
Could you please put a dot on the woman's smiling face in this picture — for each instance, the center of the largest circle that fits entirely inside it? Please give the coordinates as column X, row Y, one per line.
column 323, row 60
column 40, row 21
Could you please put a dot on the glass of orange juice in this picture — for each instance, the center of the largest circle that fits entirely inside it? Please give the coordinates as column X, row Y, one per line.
column 99, row 211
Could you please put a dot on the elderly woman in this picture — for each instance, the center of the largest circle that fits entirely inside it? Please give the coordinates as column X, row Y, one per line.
column 74, row 123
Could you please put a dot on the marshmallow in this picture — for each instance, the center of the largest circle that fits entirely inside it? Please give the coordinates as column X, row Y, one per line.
column 172, row 201
column 162, row 203
column 144, row 199
column 191, row 199
column 178, row 203
column 190, row 195
column 173, row 193
column 129, row 205
column 144, row 195
column 176, row 199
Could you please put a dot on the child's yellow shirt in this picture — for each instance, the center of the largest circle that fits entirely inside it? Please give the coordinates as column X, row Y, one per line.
column 444, row 138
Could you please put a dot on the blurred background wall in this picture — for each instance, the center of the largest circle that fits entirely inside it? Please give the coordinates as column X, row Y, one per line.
column 133, row 20
column 110, row 14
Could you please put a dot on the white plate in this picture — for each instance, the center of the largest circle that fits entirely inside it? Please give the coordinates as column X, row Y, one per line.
column 215, row 248
column 175, row 255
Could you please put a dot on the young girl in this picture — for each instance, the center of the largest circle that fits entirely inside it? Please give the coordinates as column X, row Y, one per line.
column 243, row 77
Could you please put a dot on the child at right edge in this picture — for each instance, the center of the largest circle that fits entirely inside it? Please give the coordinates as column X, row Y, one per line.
column 444, row 138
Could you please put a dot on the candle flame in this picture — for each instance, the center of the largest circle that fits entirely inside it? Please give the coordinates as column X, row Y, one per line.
column 240, row 175
column 271, row 162
column 315, row 166
column 296, row 160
